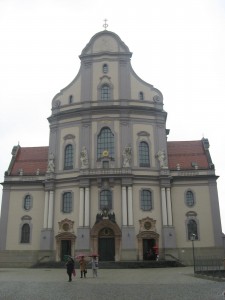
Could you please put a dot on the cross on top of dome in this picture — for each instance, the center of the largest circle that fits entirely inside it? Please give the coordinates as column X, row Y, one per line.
column 105, row 25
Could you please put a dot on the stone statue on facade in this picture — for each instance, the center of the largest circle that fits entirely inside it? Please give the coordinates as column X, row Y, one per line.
column 161, row 158
column 127, row 155
column 84, row 158
column 51, row 164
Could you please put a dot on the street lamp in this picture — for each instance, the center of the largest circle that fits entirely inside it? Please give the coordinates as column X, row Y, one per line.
column 193, row 236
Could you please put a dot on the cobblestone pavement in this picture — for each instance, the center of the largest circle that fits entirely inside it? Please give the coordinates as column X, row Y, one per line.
column 124, row 284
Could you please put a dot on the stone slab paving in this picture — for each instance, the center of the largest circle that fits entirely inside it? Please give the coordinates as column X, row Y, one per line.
column 124, row 284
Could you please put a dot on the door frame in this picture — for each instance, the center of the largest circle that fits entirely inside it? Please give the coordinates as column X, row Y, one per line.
column 94, row 234
column 64, row 236
column 69, row 248
column 146, row 235
column 105, row 243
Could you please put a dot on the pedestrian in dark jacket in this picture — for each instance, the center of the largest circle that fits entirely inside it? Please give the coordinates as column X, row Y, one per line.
column 70, row 267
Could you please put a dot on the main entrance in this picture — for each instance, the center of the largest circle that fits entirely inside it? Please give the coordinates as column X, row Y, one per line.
column 106, row 240
column 106, row 245
column 107, row 249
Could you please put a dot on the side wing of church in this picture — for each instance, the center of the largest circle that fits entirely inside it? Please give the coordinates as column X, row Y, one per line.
column 110, row 182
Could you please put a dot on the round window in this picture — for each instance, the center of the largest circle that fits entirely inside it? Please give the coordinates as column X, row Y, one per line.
column 66, row 227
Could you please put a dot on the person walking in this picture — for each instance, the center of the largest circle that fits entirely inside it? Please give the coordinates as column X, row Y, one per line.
column 94, row 266
column 70, row 267
column 83, row 267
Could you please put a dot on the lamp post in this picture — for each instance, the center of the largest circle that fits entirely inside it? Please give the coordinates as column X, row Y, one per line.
column 193, row 236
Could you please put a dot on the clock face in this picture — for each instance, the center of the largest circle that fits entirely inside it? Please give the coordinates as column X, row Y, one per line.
column 105, row 153
column 147, row 225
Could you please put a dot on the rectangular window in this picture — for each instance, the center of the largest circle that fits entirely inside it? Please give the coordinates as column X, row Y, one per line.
column 106, row 199
column 144, row 155
column 68, row 158
column 67, row 202
column 146, row 200
column 105, row 164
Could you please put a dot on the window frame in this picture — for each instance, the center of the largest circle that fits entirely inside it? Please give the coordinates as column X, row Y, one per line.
column 70, row 99
column 105, row 141
column 105, row 164
column 69, row 205
column 143, row 162
column 141, row 96
column 68, row 157
column 109, row 199
column 143, row 200
column 105, row 68
column 105, row 92
column 25, row 235
column 186, row 200
column 192, row 230
column 30, row 202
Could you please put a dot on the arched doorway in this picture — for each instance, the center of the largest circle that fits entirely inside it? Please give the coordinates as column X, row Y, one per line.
column 106, row 245
column 106, row 240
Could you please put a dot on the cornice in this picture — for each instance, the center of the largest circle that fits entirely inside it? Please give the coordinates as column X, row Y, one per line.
column 107, row 109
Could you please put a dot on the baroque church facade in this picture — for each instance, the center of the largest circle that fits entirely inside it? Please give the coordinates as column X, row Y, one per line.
column 110, row 182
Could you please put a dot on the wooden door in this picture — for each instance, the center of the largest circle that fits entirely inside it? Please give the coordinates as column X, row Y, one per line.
column 106, row 249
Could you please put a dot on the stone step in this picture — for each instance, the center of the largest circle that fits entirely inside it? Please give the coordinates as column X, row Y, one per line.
column 117, row 265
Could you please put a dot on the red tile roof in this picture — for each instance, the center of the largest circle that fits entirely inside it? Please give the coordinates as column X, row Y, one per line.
column 185, row 153
column 29, row 159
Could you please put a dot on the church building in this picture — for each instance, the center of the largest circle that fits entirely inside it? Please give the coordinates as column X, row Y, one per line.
column 110, row 182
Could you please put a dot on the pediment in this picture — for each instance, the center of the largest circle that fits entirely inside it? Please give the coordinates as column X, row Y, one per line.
column 143, row 133
column 105, row 42
column 69, row 137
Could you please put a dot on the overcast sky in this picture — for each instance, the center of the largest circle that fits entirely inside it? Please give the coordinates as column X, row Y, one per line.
column 178, row 46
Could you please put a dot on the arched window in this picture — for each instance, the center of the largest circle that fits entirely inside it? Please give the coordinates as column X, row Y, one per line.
column 141, row 96
column 27, row 204
column 70, row 99
column 192, row 229
column 68, row 157
column 105, row 92
column 144, row 155
column 106, row 199
column 146, row 200
column 25, row 233
column 105, row 143
column 67, row 202
column 189, row 199
column 105, row 68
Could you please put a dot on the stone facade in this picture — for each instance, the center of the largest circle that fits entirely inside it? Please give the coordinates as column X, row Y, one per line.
column 110, row 182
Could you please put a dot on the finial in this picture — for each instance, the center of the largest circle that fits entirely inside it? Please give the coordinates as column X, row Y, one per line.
column 105, row 25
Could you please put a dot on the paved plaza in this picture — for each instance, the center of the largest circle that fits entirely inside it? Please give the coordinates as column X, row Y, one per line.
column 122, row 284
